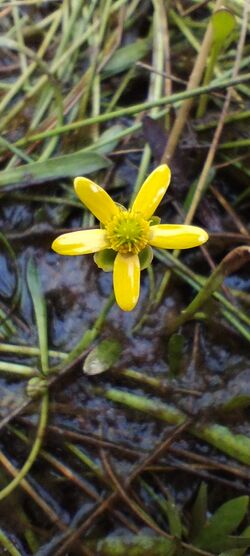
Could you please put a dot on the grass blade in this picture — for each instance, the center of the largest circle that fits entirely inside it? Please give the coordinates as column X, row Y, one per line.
column 69, row 165
column 40, row 312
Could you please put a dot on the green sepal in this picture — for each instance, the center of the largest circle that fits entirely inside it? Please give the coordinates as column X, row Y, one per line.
column 154, row 220
column 105, row 259
column 146, row 257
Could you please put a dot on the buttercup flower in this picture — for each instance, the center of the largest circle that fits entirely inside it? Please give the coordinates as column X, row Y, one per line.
column 124, row 241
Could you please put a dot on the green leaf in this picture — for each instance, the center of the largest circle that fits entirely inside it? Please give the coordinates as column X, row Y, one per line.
column 233, row 552
column 199, row 511
column 173, row 516
column 40, row 309
column 168, row 508
column 223, row 24
column 236, row 545
column 102, row 357
column 69, row 165
column 126, row 56
column 109, row 136
column 239, row 551
column 214, row 534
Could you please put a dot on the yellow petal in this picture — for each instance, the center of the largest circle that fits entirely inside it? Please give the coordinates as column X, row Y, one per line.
column 126, row 279
column 152, row 191
column 96, row 199
column 80, row 243
column 174, row 236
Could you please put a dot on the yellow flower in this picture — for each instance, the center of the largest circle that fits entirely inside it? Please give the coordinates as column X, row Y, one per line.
column 124, row 240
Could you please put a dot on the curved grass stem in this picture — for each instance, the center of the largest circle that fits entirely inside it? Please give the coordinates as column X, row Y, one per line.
column 34, row 451
column 8, row 545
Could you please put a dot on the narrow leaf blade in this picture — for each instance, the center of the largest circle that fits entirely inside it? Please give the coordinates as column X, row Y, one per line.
column 40, row 309
column 69, row 165
column 214, row 535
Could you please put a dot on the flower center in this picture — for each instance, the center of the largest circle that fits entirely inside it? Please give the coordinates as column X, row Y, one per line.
column 128, row 232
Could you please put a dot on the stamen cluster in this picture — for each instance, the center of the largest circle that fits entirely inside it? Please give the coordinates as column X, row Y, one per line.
column 128, row 232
